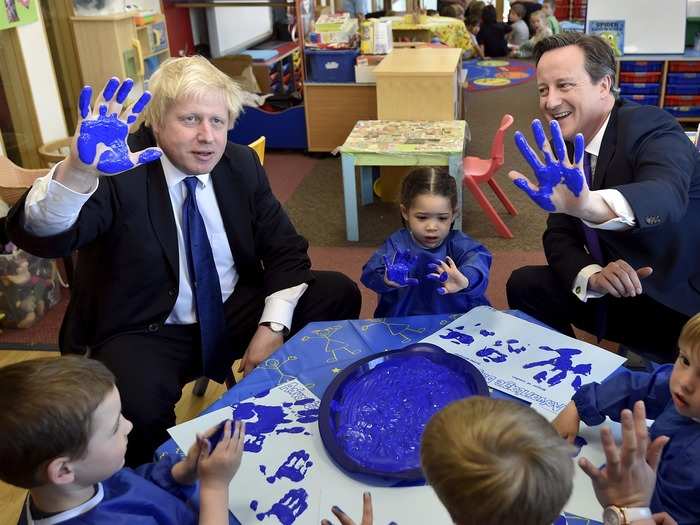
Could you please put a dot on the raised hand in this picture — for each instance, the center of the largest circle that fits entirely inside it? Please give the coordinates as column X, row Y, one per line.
column 367, row 513
column 561, row 186
column 398, row 271
column 447, row 274
column 102, row 132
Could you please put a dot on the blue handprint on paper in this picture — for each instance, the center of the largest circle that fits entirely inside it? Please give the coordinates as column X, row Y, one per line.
column 294, row 468
column 555, row 170
column 399, row 270
column 562, row 364
column 491, row 355
column 458, row 337
column 110, row 131
column 288, row 508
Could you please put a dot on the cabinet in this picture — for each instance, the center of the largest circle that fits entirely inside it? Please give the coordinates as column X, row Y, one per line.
column 282, row 73
column 420, row 84
column 123, row 45
column 671, row 82
column 571, row 9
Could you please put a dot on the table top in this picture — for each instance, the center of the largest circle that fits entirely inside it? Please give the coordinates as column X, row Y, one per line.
column 317, row 353
column 421, row 61
column 396, row 137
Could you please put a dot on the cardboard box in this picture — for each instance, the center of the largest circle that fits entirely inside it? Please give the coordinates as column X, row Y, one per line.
column 364, row 74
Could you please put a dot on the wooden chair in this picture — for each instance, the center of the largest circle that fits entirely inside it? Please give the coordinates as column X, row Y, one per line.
column 14, row 181
column 54, row 152
column 200, row 385
column 481, row 171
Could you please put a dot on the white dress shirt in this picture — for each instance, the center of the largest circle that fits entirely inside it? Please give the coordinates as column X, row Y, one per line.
column 617, row 203
column 51, row 208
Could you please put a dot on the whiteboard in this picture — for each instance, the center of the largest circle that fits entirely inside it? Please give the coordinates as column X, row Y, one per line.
column 233, row 29
column 651, row 26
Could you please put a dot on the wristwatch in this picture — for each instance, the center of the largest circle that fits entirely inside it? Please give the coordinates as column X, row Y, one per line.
column 613, row 515
column 278, row 328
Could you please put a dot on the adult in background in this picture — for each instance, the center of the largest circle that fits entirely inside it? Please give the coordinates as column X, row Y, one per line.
column 187, row 260
column 622, row 250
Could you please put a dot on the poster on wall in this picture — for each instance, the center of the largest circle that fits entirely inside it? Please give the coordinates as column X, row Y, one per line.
column 15, row 13
column 612, row 31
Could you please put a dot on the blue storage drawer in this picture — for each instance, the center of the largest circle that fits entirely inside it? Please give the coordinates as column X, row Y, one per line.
column 640, row 65
column 282, row 129
column 644, row 88
column 683, row 78
column 332, row 66
column 683, row 89
column 683, row 111
column 651, row 100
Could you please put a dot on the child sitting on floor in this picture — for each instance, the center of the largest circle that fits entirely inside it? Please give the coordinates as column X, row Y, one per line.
column 62, row 436
column 552, row 22
column 538, row 20
column 520, row 31
column 498, row 462
column 492, row 34
column 672, row 397
column 427, row 267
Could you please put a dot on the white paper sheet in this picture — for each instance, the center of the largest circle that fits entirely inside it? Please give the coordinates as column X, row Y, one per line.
column 185, row 434
column 525, row 360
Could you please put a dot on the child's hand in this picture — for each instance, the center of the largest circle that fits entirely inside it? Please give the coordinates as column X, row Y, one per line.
column 447, row 273
column 217, row 467
column 185, row 472
column 397, row 272
column 367, row 518
column 567, row 422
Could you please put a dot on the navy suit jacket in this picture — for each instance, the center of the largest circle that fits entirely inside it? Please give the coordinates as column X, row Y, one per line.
column 646, row 156
column 127, row 273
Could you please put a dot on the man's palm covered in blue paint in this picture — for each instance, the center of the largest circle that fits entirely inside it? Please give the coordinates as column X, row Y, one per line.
column 561, row 186
column 101, row 143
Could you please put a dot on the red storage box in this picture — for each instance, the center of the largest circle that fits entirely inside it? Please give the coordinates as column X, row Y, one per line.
column 640, row 76
column 682, row 100
column 684, row 67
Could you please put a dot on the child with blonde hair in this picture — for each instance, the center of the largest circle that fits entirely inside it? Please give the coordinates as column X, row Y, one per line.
column 540, row 30
column 672, row 397
column 63, row 437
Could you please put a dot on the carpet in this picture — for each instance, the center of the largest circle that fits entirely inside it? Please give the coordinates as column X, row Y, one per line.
column 497, row 73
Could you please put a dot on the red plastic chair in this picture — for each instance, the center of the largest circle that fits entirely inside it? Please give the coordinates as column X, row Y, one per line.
column 481, row 171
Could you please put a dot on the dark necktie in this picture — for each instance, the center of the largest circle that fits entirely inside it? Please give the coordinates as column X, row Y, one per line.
column 205, row 281
column 593, row 243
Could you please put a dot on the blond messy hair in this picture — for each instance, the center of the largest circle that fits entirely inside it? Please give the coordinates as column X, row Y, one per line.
column 497, row 462
column 189, row 77
column 690, row 335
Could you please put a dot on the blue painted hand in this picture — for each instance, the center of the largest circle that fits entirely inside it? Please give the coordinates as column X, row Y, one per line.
column 101, row 142
column 398, row 271
column 561, row 186
column 448, row 276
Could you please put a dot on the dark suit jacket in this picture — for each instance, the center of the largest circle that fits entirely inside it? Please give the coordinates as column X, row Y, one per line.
column 646, row 156
column 127, row 272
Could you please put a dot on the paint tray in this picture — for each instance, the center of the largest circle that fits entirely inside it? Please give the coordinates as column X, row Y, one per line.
column 373, row 413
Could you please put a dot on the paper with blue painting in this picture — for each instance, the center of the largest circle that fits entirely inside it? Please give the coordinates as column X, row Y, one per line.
column 523, row 359
column 279, row 479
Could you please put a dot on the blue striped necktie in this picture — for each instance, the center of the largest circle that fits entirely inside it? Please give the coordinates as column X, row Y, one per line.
column 203, row 277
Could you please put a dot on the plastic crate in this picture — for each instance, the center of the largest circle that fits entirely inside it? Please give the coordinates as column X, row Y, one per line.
column 640, row 65
column 332, row 66
column 640, row 89
column 683, row 78
column 640, row 76
column 682, row 100
column 282, row 129
column 683, row 89
column 651, row 100
column 683, row 111
column 686, row 67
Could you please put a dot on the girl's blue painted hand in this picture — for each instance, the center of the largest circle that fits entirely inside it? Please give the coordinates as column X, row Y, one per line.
column 561, row 186
column 102, row 132
column 397, row 272
column 448, row 276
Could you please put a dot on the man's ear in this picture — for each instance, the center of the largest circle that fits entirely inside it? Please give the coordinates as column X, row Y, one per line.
column 606, row 84
column 59, row 471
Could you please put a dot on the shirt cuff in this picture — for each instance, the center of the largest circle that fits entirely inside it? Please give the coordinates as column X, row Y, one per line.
column 620, row 207
column 279, row 306
column 580, row 288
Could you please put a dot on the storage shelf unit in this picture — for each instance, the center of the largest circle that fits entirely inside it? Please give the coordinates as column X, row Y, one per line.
column 281, row 74
column 570, row 9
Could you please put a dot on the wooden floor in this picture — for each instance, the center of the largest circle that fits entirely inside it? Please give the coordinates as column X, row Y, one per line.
column 189, row 406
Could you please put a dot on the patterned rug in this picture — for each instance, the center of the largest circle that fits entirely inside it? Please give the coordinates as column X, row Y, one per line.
column 497, row 73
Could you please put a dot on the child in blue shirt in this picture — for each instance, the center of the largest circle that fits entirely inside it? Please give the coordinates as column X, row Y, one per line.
column 672, row 398
column 427, row 267
column 62, row 436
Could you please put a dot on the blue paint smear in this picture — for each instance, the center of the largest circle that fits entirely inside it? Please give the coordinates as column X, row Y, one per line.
column 288, row 508
column 124, row 90
column 553, row 172
column 562, row 364
column 380, row 417
column 399, row 270
column 141, row 103
column 110, row 88
column 263, row 469
column 486, row 333
column 111, row 132
column 307, row 416
column 262, row 394
column 579, row 443
column 498, row 343
column 306, row 401
column 491, row 355
column 265, row 421
column 292, row 430
column 254, row 505
column 84, row 101
column 458, row 337
column 287, row 404
column 294, row 468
